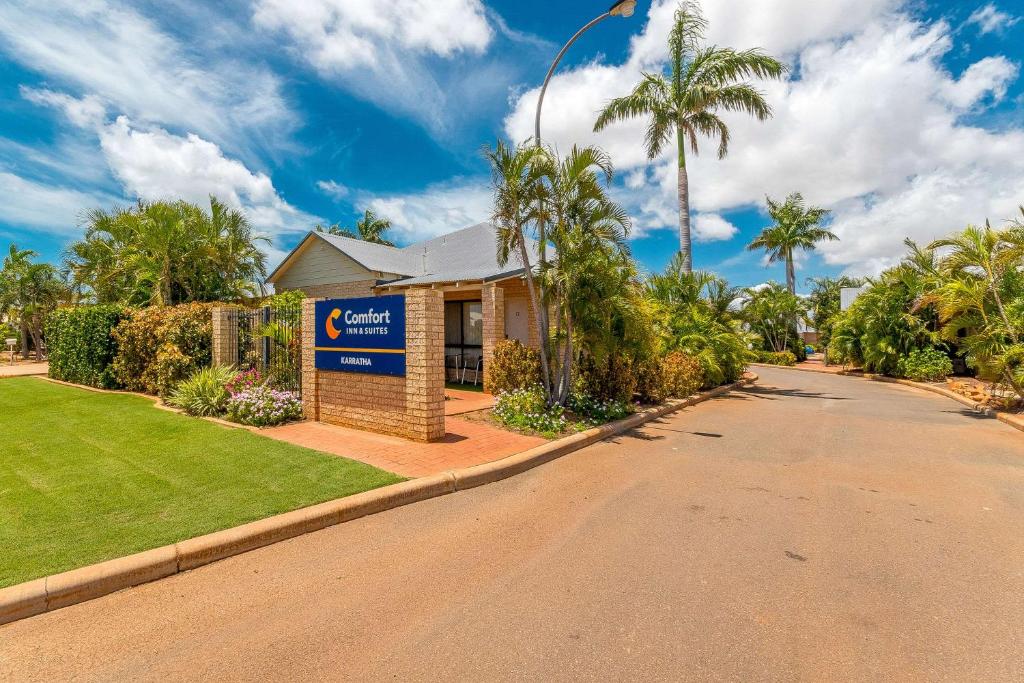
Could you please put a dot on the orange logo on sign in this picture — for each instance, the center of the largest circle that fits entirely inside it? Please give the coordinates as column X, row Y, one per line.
column 332, row 331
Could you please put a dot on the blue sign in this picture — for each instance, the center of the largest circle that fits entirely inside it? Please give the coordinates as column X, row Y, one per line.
column 361, row 335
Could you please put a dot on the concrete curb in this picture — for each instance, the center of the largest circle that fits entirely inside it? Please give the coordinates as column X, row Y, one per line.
column 78, row 585
column 1014, row 420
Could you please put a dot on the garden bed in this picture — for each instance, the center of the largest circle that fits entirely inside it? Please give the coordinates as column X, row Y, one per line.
column 89, row 476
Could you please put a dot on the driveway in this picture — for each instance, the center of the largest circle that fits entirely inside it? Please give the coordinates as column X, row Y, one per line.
column 813, row 527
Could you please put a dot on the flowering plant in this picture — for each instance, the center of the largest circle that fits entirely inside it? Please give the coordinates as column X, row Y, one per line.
column 526, row 409
column 244, row 381
column 261, row 406
column 598, row 411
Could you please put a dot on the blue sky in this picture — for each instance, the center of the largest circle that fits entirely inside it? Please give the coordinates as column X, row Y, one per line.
column 905, row 118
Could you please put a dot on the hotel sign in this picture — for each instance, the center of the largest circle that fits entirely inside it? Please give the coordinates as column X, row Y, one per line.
column 361, row 335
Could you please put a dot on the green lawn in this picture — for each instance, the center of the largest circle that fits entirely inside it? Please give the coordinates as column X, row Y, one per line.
column 464, row 387
column 86, row 477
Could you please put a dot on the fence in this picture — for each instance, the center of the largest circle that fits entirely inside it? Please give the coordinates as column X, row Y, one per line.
column 270, row 340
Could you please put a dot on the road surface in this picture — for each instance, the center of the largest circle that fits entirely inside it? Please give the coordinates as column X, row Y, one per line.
column 813, row 527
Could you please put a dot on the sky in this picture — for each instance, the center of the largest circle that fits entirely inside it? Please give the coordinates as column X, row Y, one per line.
column 904, row 117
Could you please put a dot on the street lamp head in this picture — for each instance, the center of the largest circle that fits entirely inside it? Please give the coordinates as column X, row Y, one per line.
column 623, row 8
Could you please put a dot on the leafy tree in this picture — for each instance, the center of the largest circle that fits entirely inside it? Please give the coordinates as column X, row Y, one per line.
column 165, row 253
column 797, row 226
column 770, row 311
column 369, row 228
column 701, row 82
column 28, row 292
column 824, row 302
column 694, row 312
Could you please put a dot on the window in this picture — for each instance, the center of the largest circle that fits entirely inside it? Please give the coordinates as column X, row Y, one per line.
column 463, row 333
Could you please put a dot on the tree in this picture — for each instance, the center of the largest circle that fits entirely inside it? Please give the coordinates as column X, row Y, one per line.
column 770, row 311
column 165, row 253
column 369, row 228
column 797, row 226
column 701, row 82
column 824, row 302
column 28, row 292
column 587, row 231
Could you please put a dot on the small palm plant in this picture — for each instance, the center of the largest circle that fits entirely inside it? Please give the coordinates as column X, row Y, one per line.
column 204, row 393
column 702, row 81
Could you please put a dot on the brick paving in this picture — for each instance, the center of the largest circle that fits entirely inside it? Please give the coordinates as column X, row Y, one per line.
column 460, row 402
column 465, row 444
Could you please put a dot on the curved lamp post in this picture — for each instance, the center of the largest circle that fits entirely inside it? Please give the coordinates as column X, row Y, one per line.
column 622, row 8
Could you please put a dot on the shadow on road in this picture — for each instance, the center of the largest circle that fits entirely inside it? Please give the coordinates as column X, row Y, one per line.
column 770, row 393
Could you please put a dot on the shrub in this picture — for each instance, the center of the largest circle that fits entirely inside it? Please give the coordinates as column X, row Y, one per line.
column 684, row 374
column 610, row 379
column 651, row 384
column 160, row 346
column 203, row 393
column 925, row 365
column 81, row 346
column 787, row 358
column 243, row 381
column 526, row 409
column 596, row 411
column 263, row 406
column 513, row 366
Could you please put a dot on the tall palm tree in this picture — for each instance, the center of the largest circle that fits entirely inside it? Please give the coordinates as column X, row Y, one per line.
column 797, row 226
column 702, row 81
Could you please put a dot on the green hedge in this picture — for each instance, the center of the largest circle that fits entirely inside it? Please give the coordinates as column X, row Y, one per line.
column 787, row 358
column 80, row 344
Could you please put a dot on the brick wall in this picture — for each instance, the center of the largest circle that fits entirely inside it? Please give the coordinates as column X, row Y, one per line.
column 225, row 335
column 493, row 304
column 410, row 406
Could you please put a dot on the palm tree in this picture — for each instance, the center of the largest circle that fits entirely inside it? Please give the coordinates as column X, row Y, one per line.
column 369, row 228
column 702, row 81
column 164, row 253
column 796, row 227
column 28, row 291
column 516, row 174
column 981, row 252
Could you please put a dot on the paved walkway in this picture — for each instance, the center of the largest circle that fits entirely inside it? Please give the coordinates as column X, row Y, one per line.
column 460, row 402
column 23, row 369
column 467, row 443
column 813, row 527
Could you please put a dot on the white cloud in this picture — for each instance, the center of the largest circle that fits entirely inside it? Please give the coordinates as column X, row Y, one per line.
column 117, row 57
column 381, row 50
column 154, row 164
column 711, row 227
column 989, row 19
column 85, row 112
column 30, row 204
column 871, row 124
column 436, row 210
column 333, row 189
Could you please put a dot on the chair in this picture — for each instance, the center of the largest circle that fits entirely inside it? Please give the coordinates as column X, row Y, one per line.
column 477, row 370
column 452, row 362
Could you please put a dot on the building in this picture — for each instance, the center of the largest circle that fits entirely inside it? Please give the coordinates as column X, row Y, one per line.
column 484, row 302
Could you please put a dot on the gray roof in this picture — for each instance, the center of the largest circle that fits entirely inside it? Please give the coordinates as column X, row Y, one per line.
column 464, row 255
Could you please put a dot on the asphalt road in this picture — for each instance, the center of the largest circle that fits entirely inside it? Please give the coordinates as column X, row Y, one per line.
column 813, row 527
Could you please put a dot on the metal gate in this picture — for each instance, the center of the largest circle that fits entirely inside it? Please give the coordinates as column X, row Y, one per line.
column 270, row 341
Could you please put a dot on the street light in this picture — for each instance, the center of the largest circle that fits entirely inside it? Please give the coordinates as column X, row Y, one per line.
column 622, row 8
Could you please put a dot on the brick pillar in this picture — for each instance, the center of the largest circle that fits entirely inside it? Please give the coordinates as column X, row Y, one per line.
column 310, row 394
column 424, row 363
column 225, row 335
column 493, row 300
